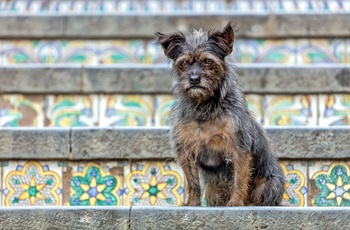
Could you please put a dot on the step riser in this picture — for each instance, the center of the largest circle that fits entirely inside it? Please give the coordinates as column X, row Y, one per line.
column 263, row 25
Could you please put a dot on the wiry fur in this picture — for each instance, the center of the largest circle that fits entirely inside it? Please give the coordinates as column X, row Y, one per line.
column 212, row 130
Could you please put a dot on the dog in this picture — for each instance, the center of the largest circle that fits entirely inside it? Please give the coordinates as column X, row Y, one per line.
column 212, row 130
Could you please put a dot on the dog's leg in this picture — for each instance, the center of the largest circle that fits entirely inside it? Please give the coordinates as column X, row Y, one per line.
column 192, row 186
column 242, row 173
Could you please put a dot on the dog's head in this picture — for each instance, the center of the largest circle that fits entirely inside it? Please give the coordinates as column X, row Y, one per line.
column 198, row 60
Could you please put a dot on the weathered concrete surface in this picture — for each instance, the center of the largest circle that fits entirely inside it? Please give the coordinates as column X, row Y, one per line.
column 64, row 218
column 311, row 143
column 143, row 143
column 240, row 218
column 34, row 143
column 154, row 143
column 125, row 143
column 174, row 218
column 144, row 25
column 133, row 78
column 39, row 79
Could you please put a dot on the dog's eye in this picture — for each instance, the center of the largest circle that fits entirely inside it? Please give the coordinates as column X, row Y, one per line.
column 207, row 62
column 183, row 64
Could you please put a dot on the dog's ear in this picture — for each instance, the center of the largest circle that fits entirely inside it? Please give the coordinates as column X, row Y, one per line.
column 224, row 39
column 171, row 43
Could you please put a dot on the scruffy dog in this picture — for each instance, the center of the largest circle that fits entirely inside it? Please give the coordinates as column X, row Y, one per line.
column 212, row 130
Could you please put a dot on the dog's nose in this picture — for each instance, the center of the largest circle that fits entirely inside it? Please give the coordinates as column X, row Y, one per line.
column 194, row 79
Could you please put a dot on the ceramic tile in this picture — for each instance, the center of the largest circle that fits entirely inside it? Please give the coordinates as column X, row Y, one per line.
column 71, row 110
column 29, row 51
column 347, row 50
column 21, row 110
column 126, row 110
column 264, row 51
column 329, row 184
column 295, row 194
column 288, row 110
column 93, row 183
column 32, row 183
column 163, row 105
column 151, row 183
column 75, row 51
column 334, row 110
column 155, row 54
column 127, row 51
column 1, row 185
column 314, row 51
column 255, row 106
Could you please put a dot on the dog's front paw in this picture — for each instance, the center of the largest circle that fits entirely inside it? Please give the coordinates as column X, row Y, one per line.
column 235, row 203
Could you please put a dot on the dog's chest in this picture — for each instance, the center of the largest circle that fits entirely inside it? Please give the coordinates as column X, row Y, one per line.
column 216, row 135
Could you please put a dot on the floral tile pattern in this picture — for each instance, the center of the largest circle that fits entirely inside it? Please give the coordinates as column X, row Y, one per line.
column 169, row 6
column 20, row 110
column 153, row 184
column 163, row 105
column 334, row 110
column 32, row 183
column 314, row 51
column 295, row 183
column 297, row 110
column 69, row 111
column 73, row 51
column 255, row 106
column 93, row 184
column 264, row 51
column 126, row 110
column 329, row 184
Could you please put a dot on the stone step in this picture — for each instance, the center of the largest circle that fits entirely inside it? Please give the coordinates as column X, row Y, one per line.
column 154, row 143
column 143, row 25
column 146, row 79
column 174, row 218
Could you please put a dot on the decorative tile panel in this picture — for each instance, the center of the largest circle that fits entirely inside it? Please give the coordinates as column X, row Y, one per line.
column 153, row 184
column 295, row 173
column 255, row 106
column 314, row 51
column 163, row 105
column 334, row 110
column 69, row 111
column 288, row 110
column 32, row 183
column 169, row 6
column 20, row 110
column 90, row 52
column 329, row 184
column 126, row 110
column 93, row 184
column 264, row 51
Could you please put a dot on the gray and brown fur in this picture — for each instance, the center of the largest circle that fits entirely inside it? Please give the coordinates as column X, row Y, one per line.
column 212, row 130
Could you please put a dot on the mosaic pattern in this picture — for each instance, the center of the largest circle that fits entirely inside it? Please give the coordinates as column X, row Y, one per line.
column 20, row 110
column 315, row 51
column 264, row 51
column 154, row 184
column 290, row 110
column 94, row 185
column 163, row 105
column 131, row 110
column 32, row 184
column 295, row 184
column 254, row 103
column 333, row 185
column 70, row 111
column 198, row 6
column 97, row 52
column 72, row 51
column 335, row 110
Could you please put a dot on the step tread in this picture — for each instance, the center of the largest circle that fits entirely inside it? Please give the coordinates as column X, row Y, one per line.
column 154, row 143
column 254, row 78
column 259, row 25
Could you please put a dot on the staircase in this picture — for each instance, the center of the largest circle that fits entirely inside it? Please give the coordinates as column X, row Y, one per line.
column 85, row 100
